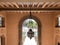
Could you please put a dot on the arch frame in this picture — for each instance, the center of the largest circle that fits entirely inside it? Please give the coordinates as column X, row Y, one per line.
column 20, row 28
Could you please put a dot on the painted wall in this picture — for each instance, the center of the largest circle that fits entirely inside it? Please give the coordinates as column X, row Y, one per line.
column 3, row 31
column 48, row 33
column 46, row 19
column 56, row 29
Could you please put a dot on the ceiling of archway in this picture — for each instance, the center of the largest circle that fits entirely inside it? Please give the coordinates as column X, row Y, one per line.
column 29, row 0
column 28, row 5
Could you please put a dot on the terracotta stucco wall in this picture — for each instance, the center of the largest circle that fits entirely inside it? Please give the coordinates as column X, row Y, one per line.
column 49, row 33
column 46, row 19
column 3, row 31
column 56, row 29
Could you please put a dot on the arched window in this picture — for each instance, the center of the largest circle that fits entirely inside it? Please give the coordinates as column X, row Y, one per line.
column 30, row 32
column 2, row 23
column 58, row 21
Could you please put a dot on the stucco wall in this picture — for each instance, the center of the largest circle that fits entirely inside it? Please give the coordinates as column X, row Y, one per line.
column 3, row 31
column 46, row 19
column 50, row 35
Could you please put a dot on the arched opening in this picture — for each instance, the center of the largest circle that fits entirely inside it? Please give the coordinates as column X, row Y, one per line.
column 30, row 30
column 24, row 27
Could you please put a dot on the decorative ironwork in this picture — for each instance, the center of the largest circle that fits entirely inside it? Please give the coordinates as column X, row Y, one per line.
column 30, row 33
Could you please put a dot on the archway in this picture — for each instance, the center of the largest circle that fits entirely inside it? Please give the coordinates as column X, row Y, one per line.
column 20, row 42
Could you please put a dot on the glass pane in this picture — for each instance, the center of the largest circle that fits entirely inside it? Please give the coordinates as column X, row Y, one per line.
column 29, row 24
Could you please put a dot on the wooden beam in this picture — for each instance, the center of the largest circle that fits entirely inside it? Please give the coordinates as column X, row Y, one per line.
column 51, row 4
column 33, row 5
column 5, row 4
column 10, row 4
column 45, row 4
column 29, row 9
column 1, row 5
column 15, row 4
column 21, row 4
column 41, row 3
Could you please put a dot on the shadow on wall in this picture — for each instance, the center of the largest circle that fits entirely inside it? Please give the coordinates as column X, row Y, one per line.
column 58, row 43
